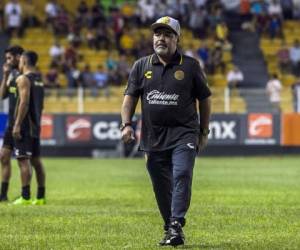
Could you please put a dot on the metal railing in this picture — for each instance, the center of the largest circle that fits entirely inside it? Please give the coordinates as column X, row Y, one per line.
column 224, row 100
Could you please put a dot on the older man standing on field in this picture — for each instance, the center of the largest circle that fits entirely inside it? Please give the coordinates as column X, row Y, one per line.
column 169, row 84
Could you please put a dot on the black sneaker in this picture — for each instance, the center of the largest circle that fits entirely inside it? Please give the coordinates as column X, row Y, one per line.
column 3, row 198
column 175, row 235
column 164, row 239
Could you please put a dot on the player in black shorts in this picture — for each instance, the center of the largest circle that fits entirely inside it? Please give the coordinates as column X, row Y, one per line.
column 8, row 89
column 28, row 147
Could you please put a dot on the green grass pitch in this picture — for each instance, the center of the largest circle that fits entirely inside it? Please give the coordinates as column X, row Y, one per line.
column 237, row 203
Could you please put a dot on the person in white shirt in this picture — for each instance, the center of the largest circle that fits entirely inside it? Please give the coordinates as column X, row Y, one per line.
column 296, row 9
column 235, row 77
column 275, row 8
column 56, row 51
column 273, row 89
column 51, row 9
column 295, row 57
column 13, row 14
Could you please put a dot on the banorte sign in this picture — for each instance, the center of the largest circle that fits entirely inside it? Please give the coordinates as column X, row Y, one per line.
column 78, row 128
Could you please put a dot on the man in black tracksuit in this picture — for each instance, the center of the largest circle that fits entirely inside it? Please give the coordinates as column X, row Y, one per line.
column 169, row 84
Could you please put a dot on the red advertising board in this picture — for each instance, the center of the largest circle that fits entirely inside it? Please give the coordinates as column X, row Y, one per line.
column 290, row 130
column 78, row 128
column 47, row 127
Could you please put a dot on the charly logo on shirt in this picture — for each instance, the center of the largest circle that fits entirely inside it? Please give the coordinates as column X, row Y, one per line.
column 148, row 74
column 162, row 98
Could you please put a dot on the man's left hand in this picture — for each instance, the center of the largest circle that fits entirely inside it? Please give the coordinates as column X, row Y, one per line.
column 17, row 132
column 202, row 142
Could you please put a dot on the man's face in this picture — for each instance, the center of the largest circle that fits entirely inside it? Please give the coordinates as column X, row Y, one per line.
column 12, row 60
column 164, row 42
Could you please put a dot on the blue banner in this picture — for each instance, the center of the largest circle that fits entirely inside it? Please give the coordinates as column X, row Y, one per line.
column 3, row 119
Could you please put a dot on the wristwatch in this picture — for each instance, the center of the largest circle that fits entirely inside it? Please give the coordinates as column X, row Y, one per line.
column 204, row 131
column 124, row 125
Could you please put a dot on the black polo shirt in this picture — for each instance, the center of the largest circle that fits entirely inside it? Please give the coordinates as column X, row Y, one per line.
column 168, row 98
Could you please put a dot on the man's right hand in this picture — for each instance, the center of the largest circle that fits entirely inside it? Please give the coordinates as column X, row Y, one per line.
column 128, row 134
column 6, row 69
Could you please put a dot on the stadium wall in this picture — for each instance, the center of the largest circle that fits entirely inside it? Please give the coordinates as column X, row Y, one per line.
column 231, row 134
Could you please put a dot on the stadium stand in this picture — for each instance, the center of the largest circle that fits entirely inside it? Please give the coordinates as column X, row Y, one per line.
column 41, row 39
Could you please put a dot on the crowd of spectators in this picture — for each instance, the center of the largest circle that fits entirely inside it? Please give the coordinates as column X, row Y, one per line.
column 16, row 17
column 117, row 28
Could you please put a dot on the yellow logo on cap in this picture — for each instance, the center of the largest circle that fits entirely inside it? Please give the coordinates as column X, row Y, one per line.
column 165, row 20
column 148, row 74
column 179, row 75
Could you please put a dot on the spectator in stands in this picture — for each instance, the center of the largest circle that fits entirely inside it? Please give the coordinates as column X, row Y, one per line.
column 203, row 53
column 257, row 7
column 296, row 95
column 73, row 75
column 216, row 60
column 231, row 5
column 29, row 14
column 102, row 37
column 13, row 14
column 173, row 9
column 74, row 36
column 147, row 11
column 287, row 8
column 235, row 78
column 51, row 77
column 275, row 27
column 101, row 81
column 222, row 32
column 127, row 42
column 91, row 39
column 261, row 23
column 245, row 11
column 144, row 47
column 296, row 10
column 82, row 13
column 128, row 11
column 97, row 13
column 86, row 77
column 274, row 8
column 161, row 8
column 283, row 58
column 71, row 56
column 116, row 21
column 62, row 22
column 69, row 66
column 193, row 53
column 198, row 22
column 56, row 52
column 123, row 69
column 273, row 89
column 215, row 17
column 295, row 57
column 111, row 65
column 51, row 10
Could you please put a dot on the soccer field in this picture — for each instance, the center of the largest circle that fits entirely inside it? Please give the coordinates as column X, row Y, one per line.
column 237, row 203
